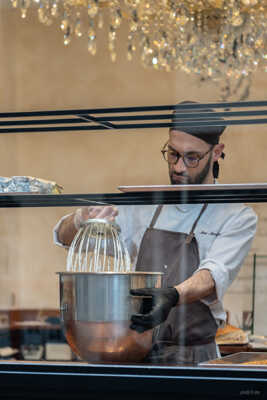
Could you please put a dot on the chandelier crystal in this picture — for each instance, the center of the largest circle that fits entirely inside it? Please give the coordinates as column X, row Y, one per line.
column 219, row 40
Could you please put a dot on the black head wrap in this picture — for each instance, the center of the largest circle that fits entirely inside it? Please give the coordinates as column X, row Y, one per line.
column 210, row 134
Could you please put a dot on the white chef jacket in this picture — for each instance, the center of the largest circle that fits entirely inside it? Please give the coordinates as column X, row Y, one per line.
column 224, row 234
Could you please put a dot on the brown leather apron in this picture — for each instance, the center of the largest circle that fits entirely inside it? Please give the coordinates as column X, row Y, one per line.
column 188, row 334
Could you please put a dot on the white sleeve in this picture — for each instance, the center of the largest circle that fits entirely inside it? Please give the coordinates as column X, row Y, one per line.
column 55, row 232
column 227, row 253
column 126, row 219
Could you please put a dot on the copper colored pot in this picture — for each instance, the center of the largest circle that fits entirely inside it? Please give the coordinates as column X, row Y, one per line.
column 96, row 310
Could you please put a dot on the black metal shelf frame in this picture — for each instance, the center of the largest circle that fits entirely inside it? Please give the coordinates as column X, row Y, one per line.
column 193, row 114
column 138, row 198
column 124, row 118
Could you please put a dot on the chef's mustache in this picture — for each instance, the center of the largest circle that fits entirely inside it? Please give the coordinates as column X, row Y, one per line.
column 179, row 174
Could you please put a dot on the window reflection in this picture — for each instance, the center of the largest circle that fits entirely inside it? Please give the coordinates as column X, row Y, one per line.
column 224, row 247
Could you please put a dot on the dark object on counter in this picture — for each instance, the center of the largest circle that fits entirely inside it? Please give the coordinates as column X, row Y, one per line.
column 31, row 337
column 55, row 335
column 5, row 339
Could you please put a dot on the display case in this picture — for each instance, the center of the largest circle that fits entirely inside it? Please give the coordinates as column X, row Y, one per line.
column 40, row 376
column 259, row 298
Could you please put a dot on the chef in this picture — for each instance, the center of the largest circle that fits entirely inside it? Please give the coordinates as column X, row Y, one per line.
column 199, row 248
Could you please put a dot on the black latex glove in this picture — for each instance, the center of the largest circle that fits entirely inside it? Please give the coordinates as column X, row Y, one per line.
column 154, row 310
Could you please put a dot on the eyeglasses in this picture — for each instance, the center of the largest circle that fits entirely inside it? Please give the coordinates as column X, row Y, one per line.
column 190, row 159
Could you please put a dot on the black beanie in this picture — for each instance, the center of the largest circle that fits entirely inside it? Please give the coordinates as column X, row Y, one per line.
column 210, row 134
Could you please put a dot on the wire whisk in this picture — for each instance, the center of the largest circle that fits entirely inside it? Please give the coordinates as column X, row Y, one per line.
column 97, row 247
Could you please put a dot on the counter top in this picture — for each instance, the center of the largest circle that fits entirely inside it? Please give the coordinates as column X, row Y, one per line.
column 80, row 380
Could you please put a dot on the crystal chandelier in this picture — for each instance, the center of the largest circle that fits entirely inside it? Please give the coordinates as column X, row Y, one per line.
column 219, row 40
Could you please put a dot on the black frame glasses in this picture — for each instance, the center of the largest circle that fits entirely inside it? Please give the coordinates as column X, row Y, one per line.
column 190, row 159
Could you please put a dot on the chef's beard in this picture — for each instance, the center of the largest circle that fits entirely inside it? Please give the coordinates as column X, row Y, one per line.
column 199, row 178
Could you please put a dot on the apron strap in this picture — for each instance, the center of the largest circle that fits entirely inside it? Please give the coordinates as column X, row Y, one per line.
column 191, row 234
column 155, row 216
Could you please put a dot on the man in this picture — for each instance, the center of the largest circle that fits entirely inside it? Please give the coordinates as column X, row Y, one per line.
column 200, row 248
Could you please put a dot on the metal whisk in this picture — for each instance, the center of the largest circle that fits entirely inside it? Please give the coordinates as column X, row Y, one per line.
column 97, row 247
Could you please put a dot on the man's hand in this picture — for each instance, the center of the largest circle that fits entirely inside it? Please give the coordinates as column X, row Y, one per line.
column 83, row 214
column 161, row 301
column 70, row 225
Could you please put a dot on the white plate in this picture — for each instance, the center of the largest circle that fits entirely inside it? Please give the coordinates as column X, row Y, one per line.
column 32, row 323
column 171, row 188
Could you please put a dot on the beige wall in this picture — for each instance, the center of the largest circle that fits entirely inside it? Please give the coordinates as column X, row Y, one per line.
column 38, row 73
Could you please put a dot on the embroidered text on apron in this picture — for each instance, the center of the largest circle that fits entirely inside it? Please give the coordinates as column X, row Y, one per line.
column 188, row 326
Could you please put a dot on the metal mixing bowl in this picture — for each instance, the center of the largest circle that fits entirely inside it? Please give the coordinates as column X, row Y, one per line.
column 96, row 310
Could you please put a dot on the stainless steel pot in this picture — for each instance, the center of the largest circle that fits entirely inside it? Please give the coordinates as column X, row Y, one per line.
column 96, row 310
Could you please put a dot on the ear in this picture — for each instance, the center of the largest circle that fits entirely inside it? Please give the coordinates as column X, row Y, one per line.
column 217, row 151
